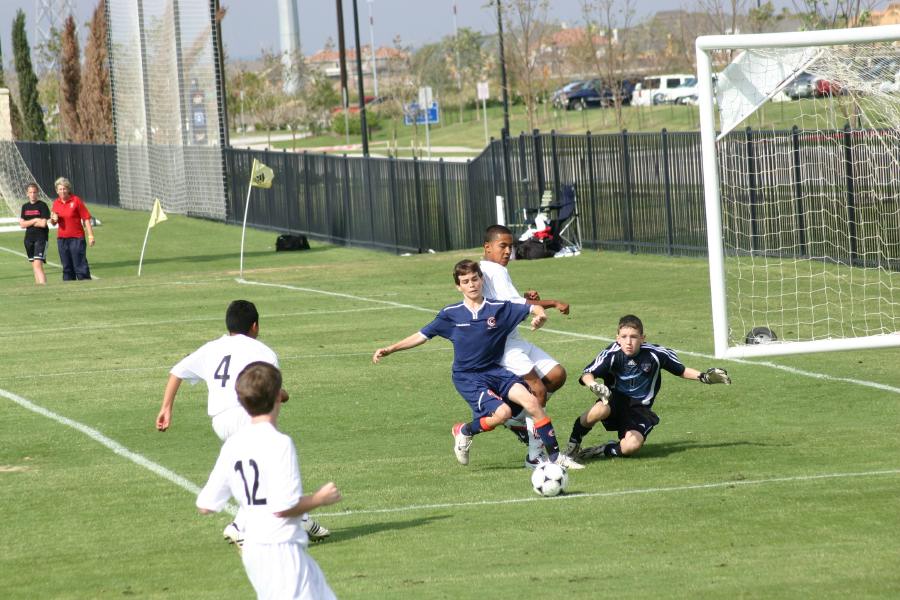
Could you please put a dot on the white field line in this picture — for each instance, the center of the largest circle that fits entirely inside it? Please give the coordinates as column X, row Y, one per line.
column 98, row 437
column 192, row 488
column 25, row 256
column 792, row 370
column 617, row 493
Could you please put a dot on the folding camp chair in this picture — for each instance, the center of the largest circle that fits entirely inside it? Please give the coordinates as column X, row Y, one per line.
column 562, row 217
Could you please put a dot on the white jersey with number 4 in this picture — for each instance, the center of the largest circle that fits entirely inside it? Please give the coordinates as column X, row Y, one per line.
column 219, row 363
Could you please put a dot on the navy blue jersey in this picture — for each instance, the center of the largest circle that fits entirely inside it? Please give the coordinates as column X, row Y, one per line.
column 635, row 376
column 479, row 336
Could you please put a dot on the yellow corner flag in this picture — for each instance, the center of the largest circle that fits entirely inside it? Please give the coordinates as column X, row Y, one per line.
column 261, row 176
column 157, row 215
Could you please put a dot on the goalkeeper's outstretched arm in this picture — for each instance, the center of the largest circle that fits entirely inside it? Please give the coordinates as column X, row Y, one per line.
column 710, row 376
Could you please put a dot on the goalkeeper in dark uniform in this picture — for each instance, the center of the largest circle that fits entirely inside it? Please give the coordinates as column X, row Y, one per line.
column 625, row 377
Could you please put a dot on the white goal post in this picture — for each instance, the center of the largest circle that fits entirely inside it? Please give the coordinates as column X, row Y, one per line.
column 803, row 218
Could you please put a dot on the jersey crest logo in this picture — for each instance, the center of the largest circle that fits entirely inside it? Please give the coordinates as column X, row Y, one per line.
column 491, row 322
column 646, row 367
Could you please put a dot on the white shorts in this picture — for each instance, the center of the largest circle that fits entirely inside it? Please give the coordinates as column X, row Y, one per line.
column 521, row 356
column 227, row 422
column 284, row 571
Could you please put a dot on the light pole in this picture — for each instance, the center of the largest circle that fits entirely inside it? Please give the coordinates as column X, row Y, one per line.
column 503, row 70
column 362, row 97
column 372, row 45
column 458, row 70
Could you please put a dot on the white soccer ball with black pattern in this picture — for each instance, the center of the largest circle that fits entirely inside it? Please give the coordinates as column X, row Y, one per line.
column 549, row 479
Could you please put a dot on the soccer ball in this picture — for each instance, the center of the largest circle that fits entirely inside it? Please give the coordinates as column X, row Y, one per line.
column 549, row 479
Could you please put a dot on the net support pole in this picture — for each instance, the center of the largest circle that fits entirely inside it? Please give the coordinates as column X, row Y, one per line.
column 713, row 208
column 244, row 228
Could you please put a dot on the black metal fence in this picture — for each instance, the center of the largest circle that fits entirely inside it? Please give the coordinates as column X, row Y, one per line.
column 638, row 192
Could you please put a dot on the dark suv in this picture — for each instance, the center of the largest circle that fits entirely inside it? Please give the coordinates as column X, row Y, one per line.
column 595, row 93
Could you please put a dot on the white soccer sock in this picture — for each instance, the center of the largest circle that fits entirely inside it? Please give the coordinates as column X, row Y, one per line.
column 535, row 445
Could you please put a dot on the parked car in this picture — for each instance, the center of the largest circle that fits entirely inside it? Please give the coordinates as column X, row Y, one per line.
column 595, row 93
column 650, row 88
column 559, row 98
column 584, row 96
column 803, row 86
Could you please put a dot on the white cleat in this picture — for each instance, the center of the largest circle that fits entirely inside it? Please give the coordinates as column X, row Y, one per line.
column 566, row 462
column 316, row 532
column 461, row 444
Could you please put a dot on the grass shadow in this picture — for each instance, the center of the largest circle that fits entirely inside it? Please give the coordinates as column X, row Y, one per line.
column 346, row 534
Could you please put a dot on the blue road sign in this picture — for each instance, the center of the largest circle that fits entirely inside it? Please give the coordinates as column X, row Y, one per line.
column 414, row 111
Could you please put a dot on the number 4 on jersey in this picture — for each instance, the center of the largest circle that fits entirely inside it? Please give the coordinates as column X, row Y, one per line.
column 222, row 370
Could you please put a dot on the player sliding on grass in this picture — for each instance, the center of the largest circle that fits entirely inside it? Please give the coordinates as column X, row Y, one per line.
column 258, row 467
column 631, row 368
column 541, row 372
column 218, row 363
column 478, row 329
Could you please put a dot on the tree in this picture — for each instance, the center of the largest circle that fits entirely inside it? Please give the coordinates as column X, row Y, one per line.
column 825, row 14
column 33, row 115
column 95, row 100
column 527, row 30
column 70, row 83
column 15, row 117
column 611, row 50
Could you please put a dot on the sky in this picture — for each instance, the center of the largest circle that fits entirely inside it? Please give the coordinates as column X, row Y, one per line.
column 251, row 25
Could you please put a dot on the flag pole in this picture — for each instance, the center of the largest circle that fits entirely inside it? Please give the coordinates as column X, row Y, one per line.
column 244, row 228
column 144, row 247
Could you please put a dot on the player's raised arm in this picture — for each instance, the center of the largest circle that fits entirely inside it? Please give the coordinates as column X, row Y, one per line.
column 710, row 376
column 416, row 339
column 326, row 495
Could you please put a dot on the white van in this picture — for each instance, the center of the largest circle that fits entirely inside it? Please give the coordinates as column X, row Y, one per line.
column 660, row 85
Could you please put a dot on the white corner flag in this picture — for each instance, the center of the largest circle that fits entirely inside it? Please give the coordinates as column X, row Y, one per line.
column 261, row 176
column 156, row 216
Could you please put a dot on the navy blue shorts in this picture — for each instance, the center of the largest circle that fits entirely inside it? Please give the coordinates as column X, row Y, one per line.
column 485, row 391
column 626, row 415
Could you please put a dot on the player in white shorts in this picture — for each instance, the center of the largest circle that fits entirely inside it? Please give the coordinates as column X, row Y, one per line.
column 258, row 467
column 218, row 363
column 543, row 374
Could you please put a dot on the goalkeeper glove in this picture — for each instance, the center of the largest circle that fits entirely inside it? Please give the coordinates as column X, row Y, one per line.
column 600, row 390
column 715, row 375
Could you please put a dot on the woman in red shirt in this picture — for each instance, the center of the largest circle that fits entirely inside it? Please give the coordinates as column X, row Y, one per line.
column 73, row 218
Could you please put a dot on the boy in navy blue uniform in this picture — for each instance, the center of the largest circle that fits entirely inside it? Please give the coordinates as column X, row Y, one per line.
column 33, row 219
column 478, row 328
column 630, row 368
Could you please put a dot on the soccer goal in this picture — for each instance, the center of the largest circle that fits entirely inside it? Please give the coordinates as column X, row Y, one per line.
column 14, row 177
column 803, row 218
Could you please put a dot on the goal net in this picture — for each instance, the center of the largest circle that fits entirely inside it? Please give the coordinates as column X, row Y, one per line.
column 803, row 215
column 166, row 106
column 14, row 177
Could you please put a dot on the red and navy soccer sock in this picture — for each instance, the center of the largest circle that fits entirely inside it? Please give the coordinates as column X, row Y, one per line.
column 477, row 426
column 544, row 428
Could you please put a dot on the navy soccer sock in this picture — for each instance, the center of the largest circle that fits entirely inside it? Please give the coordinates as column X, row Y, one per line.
column 544, row 428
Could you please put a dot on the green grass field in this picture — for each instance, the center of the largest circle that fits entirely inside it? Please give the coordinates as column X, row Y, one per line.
column 783, row 485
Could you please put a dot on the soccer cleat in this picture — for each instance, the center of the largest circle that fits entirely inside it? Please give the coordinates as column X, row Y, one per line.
column 573, row 450
column 461, row 443
column 532, row 464
column 566, row 462
column 233, row 535
column 316, row 532
column 593, row 452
